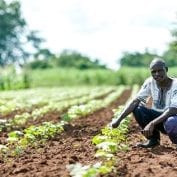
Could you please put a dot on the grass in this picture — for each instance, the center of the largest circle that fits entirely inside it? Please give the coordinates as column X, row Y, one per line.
column 72, row 77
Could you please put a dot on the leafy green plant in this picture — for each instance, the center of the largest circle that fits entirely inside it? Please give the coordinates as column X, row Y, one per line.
column 79, row 170
column 32, row 136
column 14, row 136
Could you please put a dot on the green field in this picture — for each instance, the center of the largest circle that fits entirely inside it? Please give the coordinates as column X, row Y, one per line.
column 73, row 77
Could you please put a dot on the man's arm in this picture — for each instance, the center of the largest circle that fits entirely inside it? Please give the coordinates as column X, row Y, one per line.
column 127, row 110
column 150, row 127
column 169, row 112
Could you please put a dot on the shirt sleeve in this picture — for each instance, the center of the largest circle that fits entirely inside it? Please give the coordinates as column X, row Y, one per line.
column 145, row 91
column 174, row 98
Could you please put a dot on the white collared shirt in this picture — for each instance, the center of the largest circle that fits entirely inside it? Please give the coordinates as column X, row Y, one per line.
column 161, row 100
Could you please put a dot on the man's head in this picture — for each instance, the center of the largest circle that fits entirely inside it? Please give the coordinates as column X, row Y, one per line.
column 158, row 69
column 158, row 61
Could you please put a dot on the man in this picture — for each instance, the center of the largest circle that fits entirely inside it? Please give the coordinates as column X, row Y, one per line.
column 163, row 115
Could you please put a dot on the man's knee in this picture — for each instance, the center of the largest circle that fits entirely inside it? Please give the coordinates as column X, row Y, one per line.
column 139, row 115
column 170, row 126
column 138, row 110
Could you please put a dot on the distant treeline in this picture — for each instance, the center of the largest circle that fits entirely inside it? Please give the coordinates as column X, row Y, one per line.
column 67, row 59
column 137, row 59
column 73, row 59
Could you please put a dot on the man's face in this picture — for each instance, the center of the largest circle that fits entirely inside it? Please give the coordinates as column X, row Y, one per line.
column 158, row 72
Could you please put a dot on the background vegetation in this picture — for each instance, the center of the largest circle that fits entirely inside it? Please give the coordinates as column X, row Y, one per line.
column 20, row 68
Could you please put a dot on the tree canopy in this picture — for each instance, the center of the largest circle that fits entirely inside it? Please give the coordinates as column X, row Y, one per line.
column 67, row 59
column 75, row 59
column 170, row 55
column 136, row 59
column 14, row 34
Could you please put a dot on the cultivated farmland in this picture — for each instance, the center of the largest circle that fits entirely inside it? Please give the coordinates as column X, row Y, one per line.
column 63, row 132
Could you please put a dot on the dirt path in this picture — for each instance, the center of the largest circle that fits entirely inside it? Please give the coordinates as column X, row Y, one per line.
column 74, row 145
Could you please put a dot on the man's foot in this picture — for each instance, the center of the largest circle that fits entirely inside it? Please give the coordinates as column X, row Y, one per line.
column 149, row 144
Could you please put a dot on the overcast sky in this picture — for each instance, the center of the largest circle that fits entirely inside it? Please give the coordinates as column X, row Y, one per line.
column 102, row 29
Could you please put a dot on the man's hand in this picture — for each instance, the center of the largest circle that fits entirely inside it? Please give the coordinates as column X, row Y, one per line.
column 115, row 123
column 148, row 130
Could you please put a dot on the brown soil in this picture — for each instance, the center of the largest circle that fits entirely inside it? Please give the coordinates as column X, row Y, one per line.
column 74, row 145
column 54, row 116
column 160, row 161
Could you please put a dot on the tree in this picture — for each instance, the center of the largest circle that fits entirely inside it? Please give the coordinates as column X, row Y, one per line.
column 170, row 55
column 136, row 59
column 74, row 59
column 14, row 34
column 43, row 59
column 44, row 54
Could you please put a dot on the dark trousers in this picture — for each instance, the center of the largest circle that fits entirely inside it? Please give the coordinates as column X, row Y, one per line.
column 145, row 115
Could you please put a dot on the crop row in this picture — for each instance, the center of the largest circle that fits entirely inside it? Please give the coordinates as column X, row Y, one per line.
column 53, row 106
column 17, row 141
column 107, row 143
column 27, row 100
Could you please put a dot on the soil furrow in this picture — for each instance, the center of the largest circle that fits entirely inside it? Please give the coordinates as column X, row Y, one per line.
column 74, row 145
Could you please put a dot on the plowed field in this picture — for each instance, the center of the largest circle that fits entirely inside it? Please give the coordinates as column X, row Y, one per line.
column 74, row 145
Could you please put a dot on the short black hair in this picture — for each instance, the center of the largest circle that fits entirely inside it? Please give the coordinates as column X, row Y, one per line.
column 158, row 61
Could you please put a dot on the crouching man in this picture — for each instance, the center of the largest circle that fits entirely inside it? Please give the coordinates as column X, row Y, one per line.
column 162, row 117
